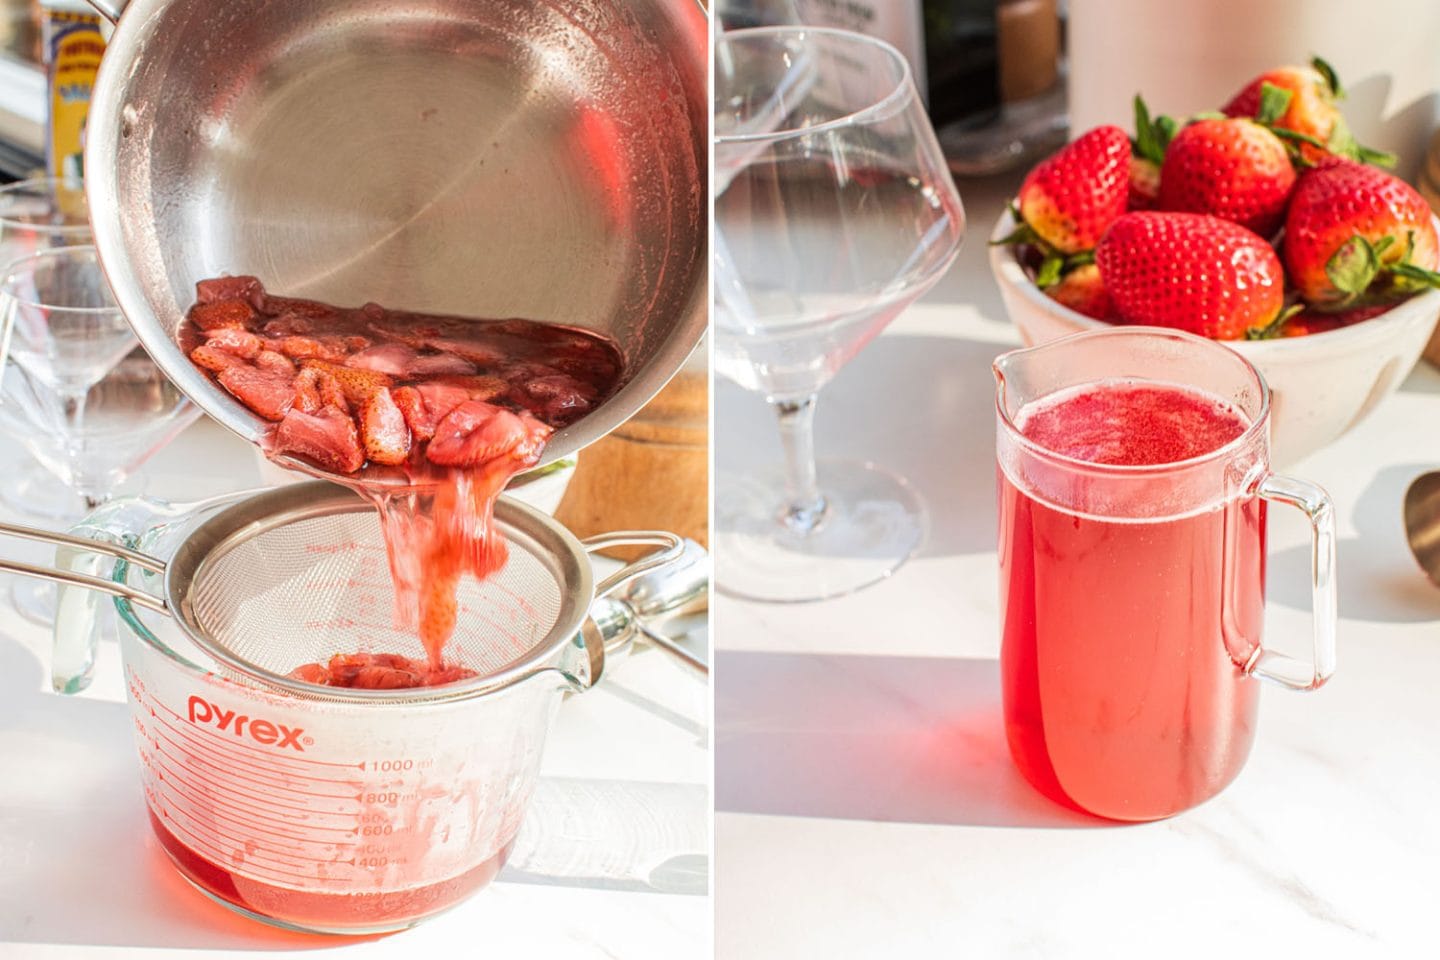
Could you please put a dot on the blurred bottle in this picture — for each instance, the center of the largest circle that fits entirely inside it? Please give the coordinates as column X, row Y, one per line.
column 73, row 45
column 997, row 96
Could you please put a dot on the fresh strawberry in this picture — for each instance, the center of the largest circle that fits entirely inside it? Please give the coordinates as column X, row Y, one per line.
column 1233, row 169
column 1192, row 272
column 328, row 439
column 1144, row 184
column 1069, row 199
column 1303, row 101
column 1356, row 235
column 1083, row 291
column 383, row 428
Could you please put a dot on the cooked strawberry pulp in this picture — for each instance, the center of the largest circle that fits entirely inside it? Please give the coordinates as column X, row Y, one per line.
column 1124, row 639
column 427, row 416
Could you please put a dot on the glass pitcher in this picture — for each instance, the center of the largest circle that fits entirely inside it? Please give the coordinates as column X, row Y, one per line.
column 1132, row 596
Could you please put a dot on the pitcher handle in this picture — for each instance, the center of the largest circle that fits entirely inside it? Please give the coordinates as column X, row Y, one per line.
column 1317, row 506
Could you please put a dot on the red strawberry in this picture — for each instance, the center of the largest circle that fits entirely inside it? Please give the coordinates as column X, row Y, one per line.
column 1232, row 169
column 230, row 288
column 1144, row 184
column 222, row 314
column 231, row 340
column 266, row 394
column 1070, row 198
column 1192, row 272
column 382, row 425
column 1355, row 234
column 1083, row 291
column 1303, row 101
column 476, row 432
column 215, row 360
column 328, row 438
column 412, row 407
column 357, row 384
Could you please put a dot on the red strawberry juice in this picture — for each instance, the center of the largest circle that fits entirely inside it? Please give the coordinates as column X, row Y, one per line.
column 1124, row 637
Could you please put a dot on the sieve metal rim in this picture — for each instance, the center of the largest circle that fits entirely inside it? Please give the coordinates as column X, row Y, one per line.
column 250, row 517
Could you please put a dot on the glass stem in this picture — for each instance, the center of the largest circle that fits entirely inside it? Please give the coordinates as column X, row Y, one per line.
column 805, row 508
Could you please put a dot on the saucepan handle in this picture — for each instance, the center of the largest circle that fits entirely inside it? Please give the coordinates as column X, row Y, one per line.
column 1315, row 503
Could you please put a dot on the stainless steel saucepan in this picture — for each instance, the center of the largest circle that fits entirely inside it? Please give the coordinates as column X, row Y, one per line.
column 493, row 158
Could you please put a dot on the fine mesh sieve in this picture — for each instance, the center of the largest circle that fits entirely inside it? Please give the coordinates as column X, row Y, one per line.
column 297, row 574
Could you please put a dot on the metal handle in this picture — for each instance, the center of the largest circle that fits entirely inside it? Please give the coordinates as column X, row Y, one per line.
column 83, row 545
column 617, row 622
column 109, row 9
column 1317, row 506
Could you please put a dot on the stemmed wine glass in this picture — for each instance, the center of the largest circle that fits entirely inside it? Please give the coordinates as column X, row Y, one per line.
column 834, row 210
column 86, row 401
column 37, row 215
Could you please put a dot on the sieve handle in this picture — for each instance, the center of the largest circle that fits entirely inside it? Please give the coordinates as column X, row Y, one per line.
column 619, row 619
column 83, row 545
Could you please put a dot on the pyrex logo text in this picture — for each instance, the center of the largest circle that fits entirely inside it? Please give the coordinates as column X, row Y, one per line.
column 261, row 731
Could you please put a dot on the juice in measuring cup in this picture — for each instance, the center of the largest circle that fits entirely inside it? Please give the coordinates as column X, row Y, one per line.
column 1122, row 692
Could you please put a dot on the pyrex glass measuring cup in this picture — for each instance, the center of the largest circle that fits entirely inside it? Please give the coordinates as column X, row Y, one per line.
column 1132, row 597
column 326, row 809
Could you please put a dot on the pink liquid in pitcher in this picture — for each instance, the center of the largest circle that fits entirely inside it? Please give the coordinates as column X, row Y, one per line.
column 1124, row 639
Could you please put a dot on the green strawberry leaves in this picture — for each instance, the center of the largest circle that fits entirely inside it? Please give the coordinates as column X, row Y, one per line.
column 1055, row 264
column 1152, row 137
column 1274, row 101
column 1342, row 143
column 1355, row 270
column 1331, row 79
column 1272, row 329
column 1352, row 268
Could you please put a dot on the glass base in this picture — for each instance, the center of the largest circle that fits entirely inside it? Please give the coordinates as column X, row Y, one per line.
column 875, row 521
column 36, row 492
column 35, row 600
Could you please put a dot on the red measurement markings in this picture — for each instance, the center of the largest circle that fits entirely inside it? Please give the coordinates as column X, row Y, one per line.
column 234, row 792
column 246, row 848
column 205, row 807
column 199, row 812
column 226, row 792
column 185, row 743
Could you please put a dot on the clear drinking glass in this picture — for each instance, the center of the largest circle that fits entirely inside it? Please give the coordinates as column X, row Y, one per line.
column 1133, row 596
column 76, row 390
column 40, row 215
column 834, row 210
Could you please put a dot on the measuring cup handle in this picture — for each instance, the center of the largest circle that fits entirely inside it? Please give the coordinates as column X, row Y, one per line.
column 1320, row 510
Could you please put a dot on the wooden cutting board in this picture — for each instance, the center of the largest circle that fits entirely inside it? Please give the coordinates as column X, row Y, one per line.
column 650, row 473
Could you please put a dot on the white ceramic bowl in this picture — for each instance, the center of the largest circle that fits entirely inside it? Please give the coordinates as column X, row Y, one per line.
column 1321, row 385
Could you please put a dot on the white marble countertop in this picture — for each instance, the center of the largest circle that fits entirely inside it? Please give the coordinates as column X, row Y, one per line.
column 613, row 860
column 866, row 802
